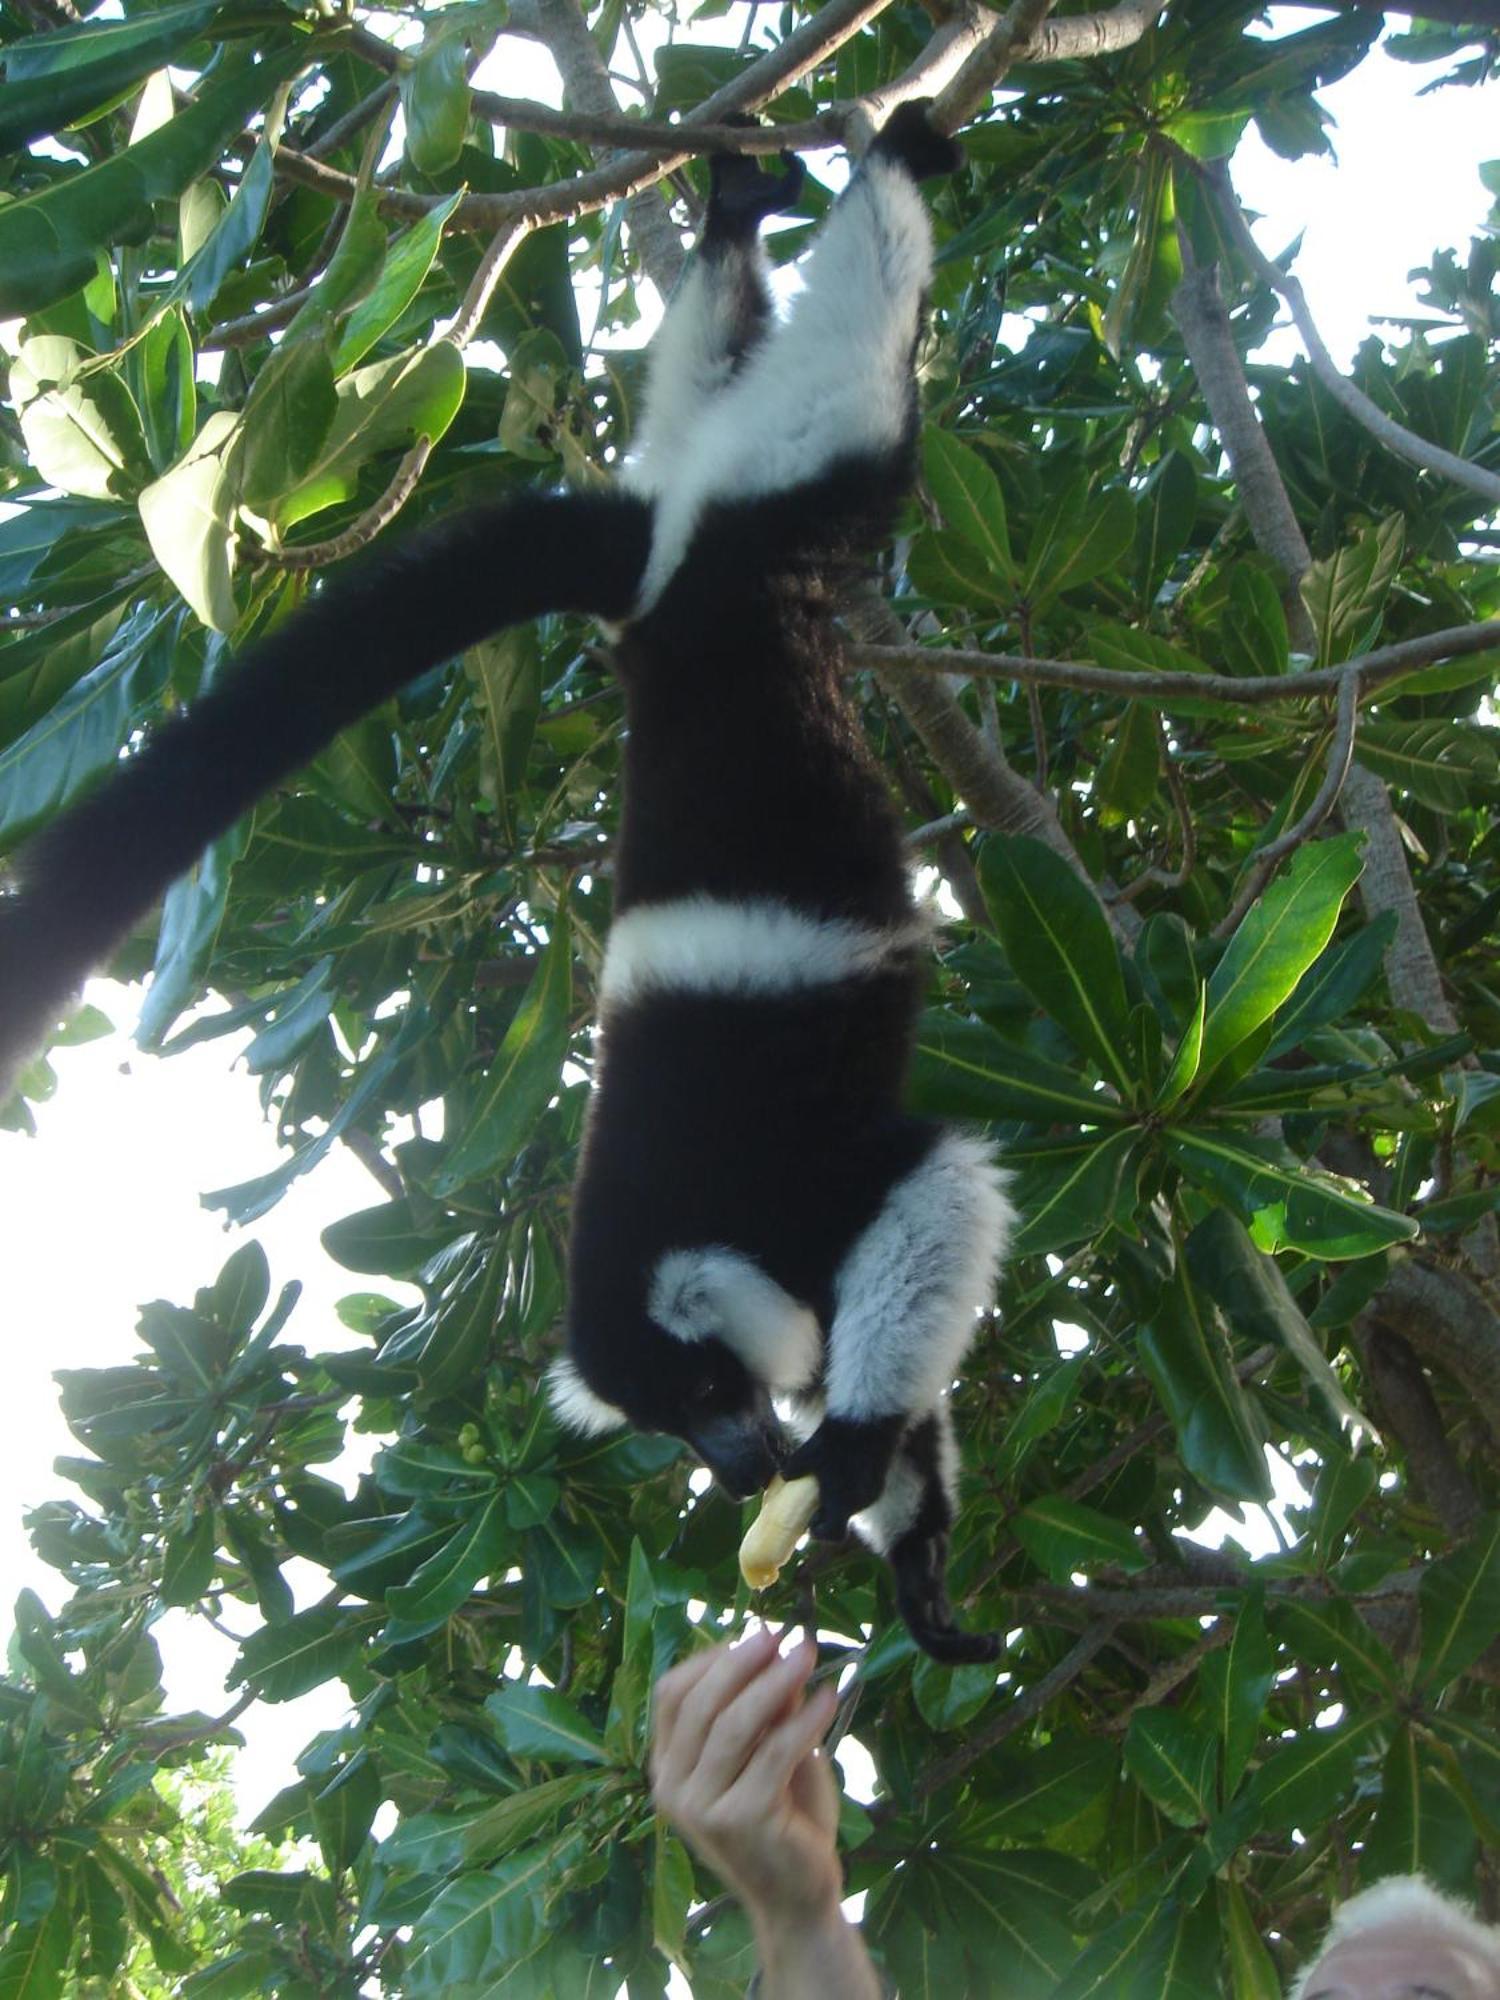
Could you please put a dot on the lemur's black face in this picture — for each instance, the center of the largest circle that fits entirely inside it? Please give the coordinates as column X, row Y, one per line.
column 719, row 1408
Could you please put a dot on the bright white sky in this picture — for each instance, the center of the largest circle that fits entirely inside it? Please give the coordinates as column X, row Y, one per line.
column 101, row 1211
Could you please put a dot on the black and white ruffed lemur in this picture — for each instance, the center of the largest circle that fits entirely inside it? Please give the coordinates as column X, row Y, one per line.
column 756, row 1216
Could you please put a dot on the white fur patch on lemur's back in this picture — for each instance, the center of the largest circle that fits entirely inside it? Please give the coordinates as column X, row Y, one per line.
column 833, row 381
column 702, row 944
column 575, row 1404
column 908, row 1295
column 718, row 1293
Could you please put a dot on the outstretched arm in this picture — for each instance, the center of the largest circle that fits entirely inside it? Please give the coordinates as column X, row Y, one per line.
column 96, row 871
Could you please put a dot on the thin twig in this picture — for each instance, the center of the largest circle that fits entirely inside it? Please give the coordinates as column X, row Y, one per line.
column 1340, row 755
column 1373, row 669
column 360, row 533
column 1384, row 429
column 936, row 829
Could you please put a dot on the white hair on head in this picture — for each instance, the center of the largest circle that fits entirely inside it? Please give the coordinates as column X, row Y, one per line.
column 1406, row 1903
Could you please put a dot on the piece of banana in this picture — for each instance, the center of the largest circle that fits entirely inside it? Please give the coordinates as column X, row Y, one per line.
column 783, row 1519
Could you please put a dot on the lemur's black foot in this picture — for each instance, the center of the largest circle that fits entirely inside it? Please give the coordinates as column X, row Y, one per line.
column 742, row 192
column 919, row 1563
column 908, row 136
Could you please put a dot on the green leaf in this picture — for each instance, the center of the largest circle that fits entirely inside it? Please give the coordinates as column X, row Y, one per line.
column 1208, row 135
column 1445, row 765
column 1277, row 941
column 478, row 1927
column 48, row 767
column 672, row 1891
column 1059, row 947
column 381, row 406
column 435, row 97
column 1126, row 781
column 1286, row 1204
column 1329, row 1632
column 285, row 420
column 1257, row 1302
column 1218, row 1432
column 388, row 1241
column 1307, row 1781
column 1079, row 539
column 1185, row 1063
column 406, row 264
column 55, row 81
column 1331, row 986
column 479, row 1547
column 523, row 1076
column 1067, row 1191
column 963, row 1069
column 188, row 515
column 82, row 431
column 947, row 570
column 344, row 1810
column 1234, row 1685
column 1252, row 1970
column 49, row 241
column 969, row 498
column 1344, row 1484
column 537, row 1722
column 188, row 1566
column 1029, row 1795
column 1165, row 522
column 283, row 1661
column 1345, row 591
column 1460, row 1600
column 1174, row 1761
column 1062, row 1536
column 1253, row 629
column 191, row 917
column 34, row 1958
column 1421, row 1826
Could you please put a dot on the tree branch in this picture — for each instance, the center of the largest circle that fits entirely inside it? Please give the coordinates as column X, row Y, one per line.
column 1384, row 429
column 1373, row 669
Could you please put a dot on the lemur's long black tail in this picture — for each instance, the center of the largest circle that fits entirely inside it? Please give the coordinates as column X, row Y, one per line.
column 96, row 871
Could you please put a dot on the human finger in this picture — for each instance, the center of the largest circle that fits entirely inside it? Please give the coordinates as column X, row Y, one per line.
column 687, row 1713
column 760, row 1706
column 768, row 1770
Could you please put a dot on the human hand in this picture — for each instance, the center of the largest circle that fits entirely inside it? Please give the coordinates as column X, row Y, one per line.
column 735, row 1766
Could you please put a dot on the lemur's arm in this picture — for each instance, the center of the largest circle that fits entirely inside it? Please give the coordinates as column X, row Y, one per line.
column 93, row 874
column 906, row 1305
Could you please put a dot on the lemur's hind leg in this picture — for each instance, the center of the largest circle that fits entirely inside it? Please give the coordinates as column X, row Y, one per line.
column 910, row 1525
column 834, row 383
column 906, row 1302
column 718, row 314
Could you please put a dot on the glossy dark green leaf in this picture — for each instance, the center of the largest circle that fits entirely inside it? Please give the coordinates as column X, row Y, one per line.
column 191, row 916
column 1421, row 1826
column 1253, row 629
column 1445, row 765
column 1460, row 1599
column 1066, row 1191
column 962, row 1069
column 1329, row 1632
column 1164, row 523
column 523, row 1076
column 969, row 497
column 1059, row 946
column 1175, row 1762
column 1082, row 537
column 1284, row 1202
column 479, row 1927
column 282, row 1661
column 48, row 241
column 1234, row 1684
column 1279, row 938
column 381, row 407
column 188, row 1566
column 1333, row 984
column 1130, row 768
column 480, row 1546
column 1063, row 1535
column 344, row 1810
column 1344, row 592
column 537, row 1722
column 58, row 80
column 1252, row 1970
column 435, row 96
column 392, row 1240
column 1257, row 1302
column 1300, row 1784
column 1218, row 1431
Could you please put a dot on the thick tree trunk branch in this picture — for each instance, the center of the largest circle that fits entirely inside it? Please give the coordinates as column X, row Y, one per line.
column 1448, row 1320
column 1409, row 1414
column 1410, row 965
